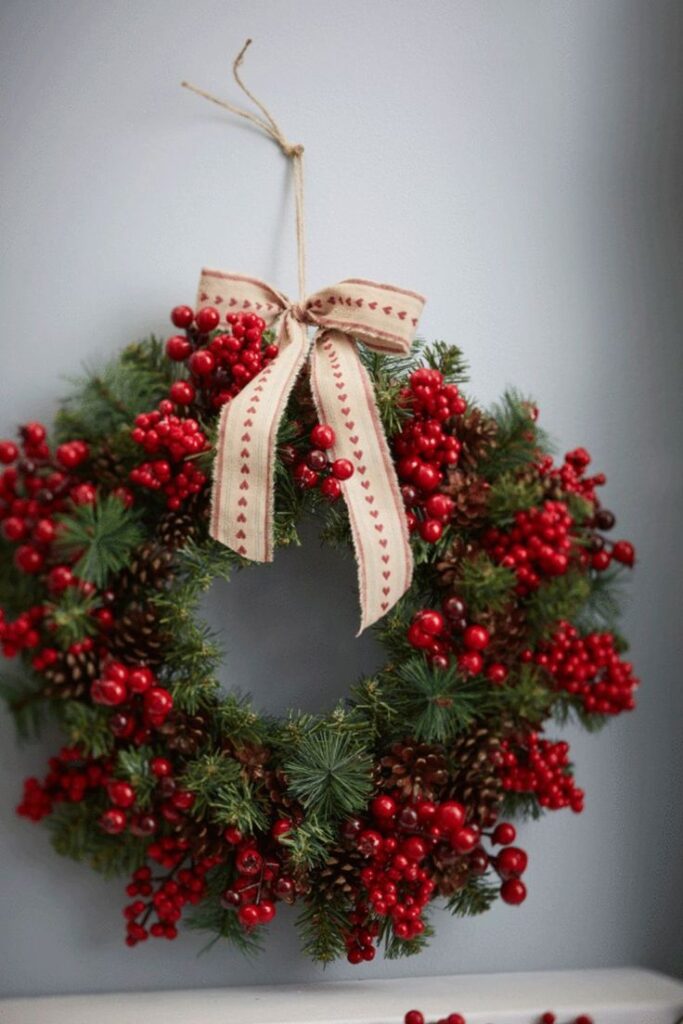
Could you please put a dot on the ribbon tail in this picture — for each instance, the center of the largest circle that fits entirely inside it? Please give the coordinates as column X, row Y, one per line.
column 345, row 400
column 243, row 493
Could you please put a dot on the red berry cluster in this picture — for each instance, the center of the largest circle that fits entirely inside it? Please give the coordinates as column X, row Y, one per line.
column 541, row 767
column 313, row 468
column 425, row 447
column 161, row 900
column 260, row 878
column 571, row 474
column 439, row 635
column 590, row 668
column 34, row 487
column 220, row 362
column 22, row 633
column 538, row 546
column 71, row 776
column 176, row 441
column 396, row 883
column 121, row 684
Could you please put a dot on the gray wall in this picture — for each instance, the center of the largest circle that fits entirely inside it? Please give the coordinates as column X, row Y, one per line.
column 518, row 163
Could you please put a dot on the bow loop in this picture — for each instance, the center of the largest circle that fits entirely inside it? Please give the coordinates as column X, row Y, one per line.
column 385, row 319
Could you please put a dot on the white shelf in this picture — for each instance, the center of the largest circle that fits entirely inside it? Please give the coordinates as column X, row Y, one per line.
column 624, row 996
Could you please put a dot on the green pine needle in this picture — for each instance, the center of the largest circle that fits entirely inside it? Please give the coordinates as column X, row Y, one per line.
column 102, row 535
column 71, row 617
column 330, row 773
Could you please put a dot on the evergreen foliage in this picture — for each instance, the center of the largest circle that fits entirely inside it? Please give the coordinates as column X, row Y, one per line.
column 101, row 536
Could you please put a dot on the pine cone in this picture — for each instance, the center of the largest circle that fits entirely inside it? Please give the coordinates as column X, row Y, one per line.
column 476, row 433
column 175, row 529
column 275, row 783
column 71, row 675
column 150, row 568
column 108, row 467
column 508, row 632
column 474, row 781
column 450, row 870
column 340, row 874
column 448, row 567
column 415, row 769
column 205, row 839
column 137, row 637
column 253, row 759
column 185, row 733
column 470, row 494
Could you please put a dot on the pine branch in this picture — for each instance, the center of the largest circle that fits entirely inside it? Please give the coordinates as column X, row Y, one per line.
column 132, row 764
column 475, row 898
column 209, row 776
column 559, row 598
column 521, row 805
column 510, row 494
column 323, row 925
column 483, row 585
column 76, row 834
column 236, row 720
column 309, row 843
column 18, row 590
column 87, row 727
column 330, row 773
column 395, row 948
column 71, row 616
column 102, row 536
column 518, row 438
column 439, row 703
column 526, row 697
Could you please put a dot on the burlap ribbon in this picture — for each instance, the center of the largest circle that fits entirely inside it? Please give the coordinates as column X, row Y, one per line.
column 384, row 319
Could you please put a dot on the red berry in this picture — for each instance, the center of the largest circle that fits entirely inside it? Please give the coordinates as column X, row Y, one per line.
column 207, row 319
column 44, row 531
column 450, row 816
column 202, row 363
column 455, row 1018
column 182, row 392
column 161, row 767
column 342, row 469
column 71, row 454
column 430, row 621
column 266, row 911
column 440, row 506
column 182, row 316
column 426, row 477
column 414, row 1017
column 464, row 840
column 322, row 436
column 33, row 434
column 496, row 674
column 281, row 827
column 331, row 488
column 513, row 892
column 624, row 552
column 383, row 807
column 431, row 530
column 113, row 821
column 248, row 915
column 476, row 638
column 158, row 701
column 59, row 578
column 121, row 793
column 14, row 528
column 548, row 1018
column 583, row 1018
column 28, row 559
column 9, row 452
column 511, row 862
column 109, row 692
column 504, row 834
column 140, row 680
column 178, row 348
column 601, row 560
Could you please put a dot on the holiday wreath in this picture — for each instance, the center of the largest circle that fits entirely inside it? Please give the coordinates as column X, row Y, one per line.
column 397, row 797
column 483, row 567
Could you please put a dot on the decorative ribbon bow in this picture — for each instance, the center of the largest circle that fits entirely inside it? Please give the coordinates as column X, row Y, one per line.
column 385, row 319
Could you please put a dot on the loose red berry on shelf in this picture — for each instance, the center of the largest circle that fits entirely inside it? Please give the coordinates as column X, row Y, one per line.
column 624, row 552
column 207, row 319
column 202, row 363
column 414, row 1017
column 182, row 316
column 583, row 1018
column 342, row 469
column 182, row 392
column 548, row 1018
column 455, row 1018
column 513, row 891
column 476, row 638
column 322, row 436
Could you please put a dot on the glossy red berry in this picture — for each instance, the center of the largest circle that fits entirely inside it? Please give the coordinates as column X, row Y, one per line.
column 158, row 701
column 121, row 793
column 266, row 911
column 207, row 319
column 600, row 560
column 9, row 452
column 178, row 348
column 430, row 621
column 450, row 816
column 431, row 530
column 331, row 488
column 342, row 469
column 414, row 1017
column 322, row 436
column 439, row 506
column 248, row 915
column 202, row 363
column 383, row 807
column 511, row 862
column 513, row 891
column 496, row 674
column 465, row 839
column 476, row 638
column 548, row 1018
column 28, row 559
column 182, row 316
column 182, row 392
column 624, row 552
column 504, row 834
column 161, row 767
column 113, row 821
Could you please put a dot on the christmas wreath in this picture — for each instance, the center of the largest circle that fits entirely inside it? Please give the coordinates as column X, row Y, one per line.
column 401, row 795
